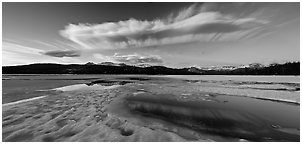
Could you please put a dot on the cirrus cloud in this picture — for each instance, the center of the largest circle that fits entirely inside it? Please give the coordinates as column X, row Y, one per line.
column 131, row 58
column 137, row 59
column 195, row 23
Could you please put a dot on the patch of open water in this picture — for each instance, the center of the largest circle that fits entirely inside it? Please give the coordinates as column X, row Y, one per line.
column 227, row 116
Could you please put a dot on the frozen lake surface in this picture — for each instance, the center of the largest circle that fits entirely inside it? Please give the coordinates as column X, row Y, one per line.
column 279, row 88
column 158, row 108
column 273, row 79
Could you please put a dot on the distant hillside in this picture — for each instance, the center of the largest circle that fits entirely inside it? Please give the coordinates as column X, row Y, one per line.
column 90, row 68
column 255, row 69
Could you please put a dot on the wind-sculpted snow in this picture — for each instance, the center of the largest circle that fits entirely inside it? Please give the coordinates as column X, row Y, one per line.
column 152, row 108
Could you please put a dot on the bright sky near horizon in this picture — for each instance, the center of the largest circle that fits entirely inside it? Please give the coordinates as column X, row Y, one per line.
column 170, row 34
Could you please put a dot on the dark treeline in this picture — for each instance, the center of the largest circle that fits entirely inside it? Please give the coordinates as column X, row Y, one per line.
column 274, row 69
column 91, row 69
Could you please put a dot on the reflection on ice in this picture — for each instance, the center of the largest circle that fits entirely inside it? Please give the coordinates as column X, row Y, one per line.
column 228, row 116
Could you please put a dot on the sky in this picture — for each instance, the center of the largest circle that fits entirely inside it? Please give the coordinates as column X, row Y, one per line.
column 169, row 34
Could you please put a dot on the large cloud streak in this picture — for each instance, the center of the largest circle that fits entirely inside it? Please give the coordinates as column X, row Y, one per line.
column 195, row 23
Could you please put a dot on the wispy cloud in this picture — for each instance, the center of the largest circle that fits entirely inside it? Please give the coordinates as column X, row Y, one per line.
column 137, row 59
column 16, row 54
column 194, row 23
column 131, row 58
column 17, row 48
column 226, row 32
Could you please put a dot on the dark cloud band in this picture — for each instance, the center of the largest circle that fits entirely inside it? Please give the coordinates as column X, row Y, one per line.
column 62, row 54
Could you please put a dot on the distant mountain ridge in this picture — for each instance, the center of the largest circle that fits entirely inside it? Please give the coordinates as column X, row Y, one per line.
column 290, row 68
